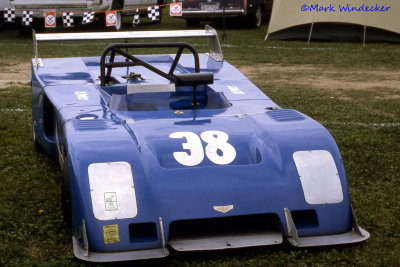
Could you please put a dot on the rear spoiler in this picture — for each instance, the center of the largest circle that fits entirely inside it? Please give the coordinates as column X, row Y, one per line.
column 210, row 33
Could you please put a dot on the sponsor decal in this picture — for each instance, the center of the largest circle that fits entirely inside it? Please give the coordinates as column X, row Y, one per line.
column 235, row 90
column 50, row 19
column 175, row 9
column 110, row 201
column 111, row 18
column 81, row 95
column 111, row 233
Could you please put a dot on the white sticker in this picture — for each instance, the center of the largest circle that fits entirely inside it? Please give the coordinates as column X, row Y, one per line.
column 110, row 201
column 81, row 95
column 218, row 150
column 235, row 90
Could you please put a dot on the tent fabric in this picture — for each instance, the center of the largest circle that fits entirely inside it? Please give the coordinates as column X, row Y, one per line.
column 382, row 14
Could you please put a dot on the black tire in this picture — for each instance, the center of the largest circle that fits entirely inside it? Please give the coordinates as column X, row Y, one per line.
column 193, row 22
column 38, row 147
column 119, row 24
column 255, row 19
column 118, row 5
column 25, row 31
column 66, row 195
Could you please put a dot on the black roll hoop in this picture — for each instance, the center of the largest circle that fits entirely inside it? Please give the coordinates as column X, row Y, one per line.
column 180, row 79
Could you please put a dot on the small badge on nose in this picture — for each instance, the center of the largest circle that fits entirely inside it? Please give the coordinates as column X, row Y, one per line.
column 223, row 209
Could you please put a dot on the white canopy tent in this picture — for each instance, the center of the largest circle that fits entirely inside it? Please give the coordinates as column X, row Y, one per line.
column 296, row 19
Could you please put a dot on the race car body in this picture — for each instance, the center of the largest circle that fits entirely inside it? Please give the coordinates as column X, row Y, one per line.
column 182, row 151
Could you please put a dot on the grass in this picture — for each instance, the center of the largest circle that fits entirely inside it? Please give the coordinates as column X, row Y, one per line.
column 365, row 124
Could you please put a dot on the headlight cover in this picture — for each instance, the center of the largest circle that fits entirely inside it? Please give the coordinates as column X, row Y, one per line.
column 319, row 177
column 112, row 190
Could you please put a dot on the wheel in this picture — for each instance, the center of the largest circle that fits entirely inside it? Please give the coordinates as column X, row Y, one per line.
column 25, row 31
column 119, row 24
column 254, row 20
column 36, row 144
column 193, row 22
column 118, row 5
column 66, row 195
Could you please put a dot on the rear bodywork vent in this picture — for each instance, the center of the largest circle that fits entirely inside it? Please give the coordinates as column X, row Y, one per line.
column 225, row 232
column 283, row 115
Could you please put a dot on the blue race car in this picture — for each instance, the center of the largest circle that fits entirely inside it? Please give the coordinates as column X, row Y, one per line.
column 182, row 151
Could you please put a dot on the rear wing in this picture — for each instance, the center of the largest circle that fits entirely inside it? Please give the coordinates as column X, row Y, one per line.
column 210, row 33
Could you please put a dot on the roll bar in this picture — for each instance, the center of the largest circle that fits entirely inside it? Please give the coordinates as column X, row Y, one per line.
column 106, row 67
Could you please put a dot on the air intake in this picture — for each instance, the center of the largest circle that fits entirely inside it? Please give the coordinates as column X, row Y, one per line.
column 283, row 115
column 87, row 125
column 225, row 232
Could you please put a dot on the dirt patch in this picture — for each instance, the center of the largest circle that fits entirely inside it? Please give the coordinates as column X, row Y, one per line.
column 325, row 77
column 19, row 73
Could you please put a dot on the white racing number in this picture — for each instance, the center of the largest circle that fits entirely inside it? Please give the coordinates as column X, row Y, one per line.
column 217, row 150
column 193, row 144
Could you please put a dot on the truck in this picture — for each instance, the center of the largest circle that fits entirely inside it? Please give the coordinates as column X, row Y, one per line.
column 252, row 11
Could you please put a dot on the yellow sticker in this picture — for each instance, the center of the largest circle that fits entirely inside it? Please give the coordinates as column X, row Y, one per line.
column 178, row 112
column 111, row 234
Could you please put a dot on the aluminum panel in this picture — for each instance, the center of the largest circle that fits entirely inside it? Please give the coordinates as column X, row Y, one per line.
column 112, row 190
column 319, row 177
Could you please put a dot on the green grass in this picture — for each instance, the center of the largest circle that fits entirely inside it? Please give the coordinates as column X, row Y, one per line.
column 364, row 122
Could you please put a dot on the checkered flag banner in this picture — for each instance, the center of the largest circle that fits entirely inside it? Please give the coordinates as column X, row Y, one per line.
column 68, row 19
column 153, row 13
column 27, row 18
column 136, row 18
column 88, row 17
column 9, row 14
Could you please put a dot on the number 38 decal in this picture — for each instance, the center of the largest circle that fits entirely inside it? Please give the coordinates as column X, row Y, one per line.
column 217, row 150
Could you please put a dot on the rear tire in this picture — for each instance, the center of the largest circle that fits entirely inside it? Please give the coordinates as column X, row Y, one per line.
column 66, row 195
column 36, row 144
column 118, row 25
column 118, row 5
column 255, row 20
column 193, row 22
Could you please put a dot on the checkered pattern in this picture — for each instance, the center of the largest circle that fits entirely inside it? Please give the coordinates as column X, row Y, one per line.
column 88, row 17
column 153, row 13
column 136, row 18
column 68, row 19
column 9, row 14
column 27, row 18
